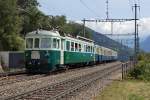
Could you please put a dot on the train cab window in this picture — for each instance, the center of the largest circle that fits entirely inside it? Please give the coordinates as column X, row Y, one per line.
column 36, row 42
column 72, row 46
column 54, row 43
column 76, row 46
column 29, row 43
column 68, row 46
column 46, row 43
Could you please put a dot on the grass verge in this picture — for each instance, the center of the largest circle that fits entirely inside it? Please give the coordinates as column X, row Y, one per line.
column 126, row 90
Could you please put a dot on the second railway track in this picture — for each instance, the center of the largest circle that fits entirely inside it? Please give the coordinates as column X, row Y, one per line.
column 64, row 88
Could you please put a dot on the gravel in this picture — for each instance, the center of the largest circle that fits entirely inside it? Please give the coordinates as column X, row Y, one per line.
column 97, row 87
column 26, row 86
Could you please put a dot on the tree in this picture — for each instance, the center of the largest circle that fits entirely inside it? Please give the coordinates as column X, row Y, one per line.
column 31, row 16
column 10, row 26
column 25, row 4
column 31, row 20
column 34, row 19
column 76, row 29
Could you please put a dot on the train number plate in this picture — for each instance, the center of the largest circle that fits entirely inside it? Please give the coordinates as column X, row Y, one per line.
column 35, row 55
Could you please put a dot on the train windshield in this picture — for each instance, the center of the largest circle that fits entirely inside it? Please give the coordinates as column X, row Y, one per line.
column 46, row 43
column 29, row 43
column 36, row 42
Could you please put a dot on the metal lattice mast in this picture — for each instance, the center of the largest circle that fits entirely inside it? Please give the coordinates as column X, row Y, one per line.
column 136, row 38
column 136, row 49
column 107, row 9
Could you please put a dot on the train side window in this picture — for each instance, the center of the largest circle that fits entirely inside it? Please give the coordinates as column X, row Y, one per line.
column 36, row 42
column 54, row 43
column 29, row 43
column 72, row 46
column 80, row 47
column 68, row 46
column 76, row 46
column 88, row 48
column 91, row 49
column 46, row 43
column 96, row 50
column 100, row 51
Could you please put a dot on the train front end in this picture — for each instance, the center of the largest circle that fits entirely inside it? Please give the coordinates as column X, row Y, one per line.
column 40, row 57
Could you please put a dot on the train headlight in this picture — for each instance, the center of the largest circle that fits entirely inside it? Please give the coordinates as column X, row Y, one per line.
column 30, row 63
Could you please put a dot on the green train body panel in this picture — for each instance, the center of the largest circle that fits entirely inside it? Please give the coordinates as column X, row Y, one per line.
column 77, row 57
column 48, row 60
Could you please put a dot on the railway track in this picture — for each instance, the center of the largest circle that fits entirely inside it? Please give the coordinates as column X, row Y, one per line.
column 6, row 79
column 65, row 88
column 17, row 78
column 11, row 78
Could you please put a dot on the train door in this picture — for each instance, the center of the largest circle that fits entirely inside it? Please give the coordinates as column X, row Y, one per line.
column 62, row 51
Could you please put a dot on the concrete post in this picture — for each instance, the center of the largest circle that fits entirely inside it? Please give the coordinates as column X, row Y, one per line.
column 1, row 69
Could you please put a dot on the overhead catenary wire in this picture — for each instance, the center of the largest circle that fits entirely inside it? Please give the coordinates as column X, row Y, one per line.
column 139, row 3
column 130, row 3
column 91, row 10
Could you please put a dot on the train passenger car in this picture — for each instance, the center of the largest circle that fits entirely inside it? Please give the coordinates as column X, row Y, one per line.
column 114, row 55
column 78, row 51
column 103, row 54
column 48, row 51
column 98, row 54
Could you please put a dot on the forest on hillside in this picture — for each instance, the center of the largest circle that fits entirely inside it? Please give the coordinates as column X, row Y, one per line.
column 19, row 17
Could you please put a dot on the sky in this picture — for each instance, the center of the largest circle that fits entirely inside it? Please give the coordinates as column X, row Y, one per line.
column 76, row 10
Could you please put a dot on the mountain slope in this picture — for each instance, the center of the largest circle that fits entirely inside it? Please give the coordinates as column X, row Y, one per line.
column 145, row 45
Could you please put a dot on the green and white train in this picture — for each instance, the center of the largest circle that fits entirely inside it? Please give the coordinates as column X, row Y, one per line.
column 48, row 51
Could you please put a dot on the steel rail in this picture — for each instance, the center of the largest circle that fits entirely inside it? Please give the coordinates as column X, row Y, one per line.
column 77, row 87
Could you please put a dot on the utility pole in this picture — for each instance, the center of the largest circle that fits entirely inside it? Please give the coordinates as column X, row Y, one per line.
column 138, row 44
column 136, row 34
column 107, row 15
column 107, row 9
column 83, row 27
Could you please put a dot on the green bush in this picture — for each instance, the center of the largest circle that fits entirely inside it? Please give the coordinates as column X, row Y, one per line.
column 141, row 71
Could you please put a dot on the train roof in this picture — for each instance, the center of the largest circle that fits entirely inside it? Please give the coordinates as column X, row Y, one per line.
column 84, row 39
column 43, row 32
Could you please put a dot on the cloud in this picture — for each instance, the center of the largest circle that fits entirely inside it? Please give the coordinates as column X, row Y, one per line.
column 122, row 27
